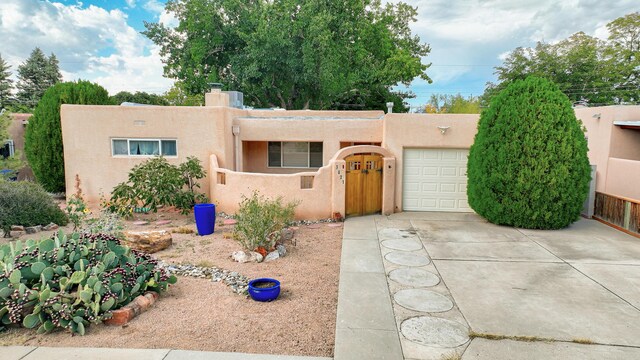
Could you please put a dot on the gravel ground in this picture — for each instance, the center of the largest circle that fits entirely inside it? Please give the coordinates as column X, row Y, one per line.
column 198, row 314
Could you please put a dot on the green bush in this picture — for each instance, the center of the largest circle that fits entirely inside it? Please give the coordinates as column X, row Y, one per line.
column 70, row 282
column 43, row 136
column 528, row 165
column 155, row 182
column 261, row 220
column 27, row 204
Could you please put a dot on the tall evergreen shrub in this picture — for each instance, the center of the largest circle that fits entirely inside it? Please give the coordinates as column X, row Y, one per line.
column 43, row 136
column 528, row 165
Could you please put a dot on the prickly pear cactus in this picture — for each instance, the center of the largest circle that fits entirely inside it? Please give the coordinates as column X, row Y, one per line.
column 72, row 281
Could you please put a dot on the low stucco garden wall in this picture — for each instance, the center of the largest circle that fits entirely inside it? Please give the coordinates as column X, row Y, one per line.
column 228, row 188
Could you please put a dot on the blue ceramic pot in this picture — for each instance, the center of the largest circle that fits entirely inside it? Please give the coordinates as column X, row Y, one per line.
column 264, row 293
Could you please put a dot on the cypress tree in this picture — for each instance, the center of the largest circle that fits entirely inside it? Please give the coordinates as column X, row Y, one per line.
column 528, row 165
column 43, row 136
column 5, row 83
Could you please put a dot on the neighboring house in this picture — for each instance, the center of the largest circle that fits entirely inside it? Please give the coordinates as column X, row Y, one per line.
column 346, row 162
column 15, row 144
column 613, row 133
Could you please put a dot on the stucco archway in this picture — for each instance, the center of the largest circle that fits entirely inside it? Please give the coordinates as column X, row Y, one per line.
column 338, row 166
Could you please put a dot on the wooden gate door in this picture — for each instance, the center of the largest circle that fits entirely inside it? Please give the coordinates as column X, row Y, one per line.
column 363, row 185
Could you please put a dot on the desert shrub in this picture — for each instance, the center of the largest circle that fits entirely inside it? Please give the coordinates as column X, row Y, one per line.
column 261, row 220
column 155, row 182
column 76, row 209
column 27, row 204
column 528, row 165
column 106, row 223
column 43, row 136
column 72, row 281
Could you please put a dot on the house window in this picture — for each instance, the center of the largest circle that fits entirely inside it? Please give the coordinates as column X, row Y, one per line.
column 143, row 147
column 7, row 149
column 290, row 154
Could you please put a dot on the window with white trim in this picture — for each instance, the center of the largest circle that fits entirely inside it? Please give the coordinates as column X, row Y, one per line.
column 292, row 154
column 143, row 147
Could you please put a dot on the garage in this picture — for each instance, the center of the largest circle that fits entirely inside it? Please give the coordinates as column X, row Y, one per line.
column 435, row 180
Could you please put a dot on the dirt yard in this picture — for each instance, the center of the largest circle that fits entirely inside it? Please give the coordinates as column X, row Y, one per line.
column 198, row 314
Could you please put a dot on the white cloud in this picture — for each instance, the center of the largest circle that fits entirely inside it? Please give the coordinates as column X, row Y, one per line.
column 131, row 3
column 154, row 6
column 90, row 43
column 168, row 19
column 468, row 38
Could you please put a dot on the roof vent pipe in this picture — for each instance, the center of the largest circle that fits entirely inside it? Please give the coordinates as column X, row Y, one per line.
column 389, row 107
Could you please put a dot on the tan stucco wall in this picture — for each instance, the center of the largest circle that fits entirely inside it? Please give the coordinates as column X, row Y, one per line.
column 403, row 131
column 314, row 203
column 87, row 132
column 609, row 141
column 623, row 178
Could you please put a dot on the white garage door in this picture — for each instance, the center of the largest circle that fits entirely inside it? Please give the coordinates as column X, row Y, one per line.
column 435, row 180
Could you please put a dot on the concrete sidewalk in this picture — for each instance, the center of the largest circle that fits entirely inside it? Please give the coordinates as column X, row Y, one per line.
column 54, row 353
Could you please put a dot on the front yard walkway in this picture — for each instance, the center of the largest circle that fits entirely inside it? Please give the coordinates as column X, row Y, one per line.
column 456, row 283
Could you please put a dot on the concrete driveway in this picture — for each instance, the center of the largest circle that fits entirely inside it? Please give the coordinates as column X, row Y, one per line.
column 517, row 294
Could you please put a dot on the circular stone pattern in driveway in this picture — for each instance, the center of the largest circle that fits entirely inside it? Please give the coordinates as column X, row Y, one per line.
column 402, row 244
column 423, row 300
column 391, row 233
column 414, row 277
column 407, row 259
column 432, row 331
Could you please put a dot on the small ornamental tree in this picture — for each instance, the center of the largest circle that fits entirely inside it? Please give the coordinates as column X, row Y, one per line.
column 528, row 165
column 43, row 136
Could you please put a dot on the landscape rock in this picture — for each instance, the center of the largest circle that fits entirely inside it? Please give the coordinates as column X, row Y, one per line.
column 286, row 234
column 17, row 228
column 50, row 227
column 236, row 281
column 38, row 228
column 31, row 229
column 244, row 257
column 148, row 241
column 272, row 256
column 282, row 251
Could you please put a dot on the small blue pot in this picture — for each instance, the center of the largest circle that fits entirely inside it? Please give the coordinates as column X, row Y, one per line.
column 264, row 294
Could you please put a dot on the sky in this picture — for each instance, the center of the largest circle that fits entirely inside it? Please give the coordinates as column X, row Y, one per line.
column 100, row 40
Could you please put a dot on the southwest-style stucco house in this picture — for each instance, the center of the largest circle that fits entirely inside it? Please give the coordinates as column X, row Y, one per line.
column 346, row 162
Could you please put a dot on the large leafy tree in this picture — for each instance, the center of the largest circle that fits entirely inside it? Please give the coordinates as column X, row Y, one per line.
column 178, row 96
column 528, row 165
column 294, row 54
column 5, row 83
column 43, row 136
column 139, row 97
column 584, row 68
column 451, row 104
column 35, row 76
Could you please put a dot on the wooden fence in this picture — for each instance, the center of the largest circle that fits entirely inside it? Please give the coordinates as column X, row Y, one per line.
column 620, row 212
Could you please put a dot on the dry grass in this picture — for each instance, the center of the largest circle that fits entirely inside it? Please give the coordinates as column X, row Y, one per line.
column 205, row 264
column 183, row 230
column 488, row 336
column 451, row 356
column 582, row 341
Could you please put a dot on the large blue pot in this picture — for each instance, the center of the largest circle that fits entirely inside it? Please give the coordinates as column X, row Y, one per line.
column 205, row 215
column 264, row 294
